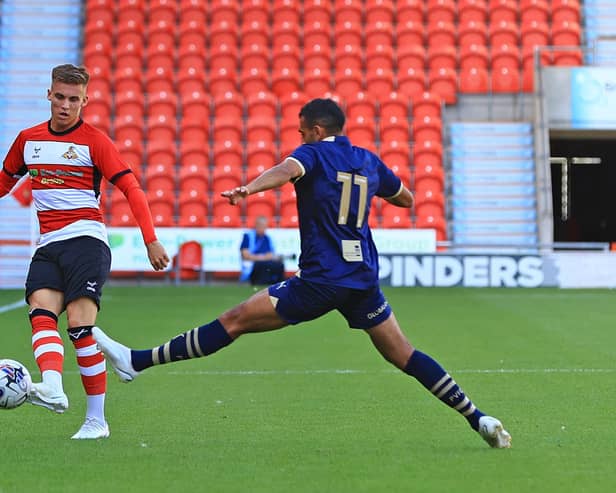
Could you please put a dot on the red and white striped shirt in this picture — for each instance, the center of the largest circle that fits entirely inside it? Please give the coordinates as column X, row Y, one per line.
column 66, row 169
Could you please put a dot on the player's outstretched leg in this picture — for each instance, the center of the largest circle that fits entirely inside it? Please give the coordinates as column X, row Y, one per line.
column 93, row 372
column 198, row 342
column 49, row 354
column 434, row 378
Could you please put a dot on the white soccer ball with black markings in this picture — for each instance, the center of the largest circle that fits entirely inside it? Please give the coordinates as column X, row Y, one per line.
column 15, row 384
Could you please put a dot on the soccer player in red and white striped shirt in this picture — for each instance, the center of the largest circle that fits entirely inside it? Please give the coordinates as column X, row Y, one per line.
column 66, row 159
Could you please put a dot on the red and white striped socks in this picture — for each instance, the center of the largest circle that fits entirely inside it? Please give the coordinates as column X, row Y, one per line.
column 47, row 346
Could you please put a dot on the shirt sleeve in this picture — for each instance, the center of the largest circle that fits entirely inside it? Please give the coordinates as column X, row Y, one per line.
column 306, row 156
column 390, row 185
column 244, row 242
column 107, row 158
column 127, row 183
column 13, row 167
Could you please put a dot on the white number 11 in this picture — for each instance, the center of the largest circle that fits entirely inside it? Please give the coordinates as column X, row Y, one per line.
column 347, row 180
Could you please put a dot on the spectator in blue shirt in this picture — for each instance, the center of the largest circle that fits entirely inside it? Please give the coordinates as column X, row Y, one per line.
column 260, row 263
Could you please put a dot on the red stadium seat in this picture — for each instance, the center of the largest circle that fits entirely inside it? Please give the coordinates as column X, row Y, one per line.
column 254, row 80
column 412, row 82
column 566, row 33
column 395, row 217
column 229, row 104
column 224, row 56
column 413, row 56
column 222, row 81
column 317, row 82
column 285, row 80
column 194, row 10
column 348, row 82
column 394, row 128
column 441, row 33
column 160, row 177
column 193, row 178
column 317, row 57
column 131, row 152
column 437, row 223
column 427, row 128
column 161, row 31
column 120, row 212
column 161, row 129
column 254, row 56
column 286, row 33
column 129, row 55
column 534, row 10
column 318, row 10
column 223, row 32
column 441, row 10
column 285, row 56
column 428, row 158
column 410, row 33
column 503, row 10
column 224, row 10
column 129, row 127
column 263, row 104
column 261, row 204
column 194, row 130
column 379, row 11
column 226, row 177
column 348, row 57
column 361, row 104
column 162, row 103
column 444, row 82
column 256, row 10
column 193, row 211
column 565, row 11
column 504, row 33
column 535, row 33
column 474, row 56
column 317, row 33
column 379, row 33
column 165, row 10
column 191, row 29
column 442, row 56
column 225, row 215
column 379, row 57
column 290, row 105
column 227, row 129
column 162, row 204
column 159, row 152
column 394, row 104
column 128, row 79
column 506, row 79
column 472, row 32
column 194, row 154
column 476, row 10
column 474, row 80
column 191, row 79
column 228, row 153
column 361, row 130
column 191, row 54
column 428, row 103
column 352, row 10
column 255, row 32
column 260, row 152
column 348, row 32
column 380, row 81
column 286, row 11
column 397, row 155
column 260, row 128
column 505, row 56
column 410, row 10
column 129, row 103
column 195, row 104
column 160, row 79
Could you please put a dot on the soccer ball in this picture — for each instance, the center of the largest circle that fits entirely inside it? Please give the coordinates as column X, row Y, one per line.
column 15, row 384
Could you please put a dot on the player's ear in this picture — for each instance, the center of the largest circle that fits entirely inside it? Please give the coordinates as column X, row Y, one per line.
column 85, row 101
column 48, row 94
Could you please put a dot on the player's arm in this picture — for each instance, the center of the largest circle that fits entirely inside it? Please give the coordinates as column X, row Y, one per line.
column 275, row 177
column 404, row 198
column 129, row 186
column 7, row 182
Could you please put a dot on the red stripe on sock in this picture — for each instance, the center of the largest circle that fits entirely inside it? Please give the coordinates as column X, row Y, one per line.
column 50, row 360
column 92, row 384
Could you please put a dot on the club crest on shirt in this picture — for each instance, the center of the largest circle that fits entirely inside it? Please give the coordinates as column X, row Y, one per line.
column 71, row 153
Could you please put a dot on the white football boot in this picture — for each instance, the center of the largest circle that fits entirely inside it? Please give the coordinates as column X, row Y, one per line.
column 92, row 429
column 46, row 396
column 117, row 354
column 492, row 431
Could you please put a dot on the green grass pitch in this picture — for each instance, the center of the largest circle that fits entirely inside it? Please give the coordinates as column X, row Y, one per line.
column 314, row 408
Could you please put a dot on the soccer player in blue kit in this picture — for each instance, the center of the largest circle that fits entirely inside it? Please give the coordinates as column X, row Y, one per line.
column 335, row 183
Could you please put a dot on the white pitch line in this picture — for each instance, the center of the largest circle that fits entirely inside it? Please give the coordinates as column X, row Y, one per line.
column 334, row 371
column 12, row 306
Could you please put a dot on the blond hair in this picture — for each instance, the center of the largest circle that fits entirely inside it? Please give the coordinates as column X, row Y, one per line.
column 70, row 74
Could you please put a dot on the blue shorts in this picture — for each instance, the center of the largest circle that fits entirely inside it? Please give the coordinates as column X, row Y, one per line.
column 78, row 267
column 299, row 300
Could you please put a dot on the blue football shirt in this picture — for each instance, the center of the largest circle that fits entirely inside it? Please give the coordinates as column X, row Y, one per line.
column 334, row 196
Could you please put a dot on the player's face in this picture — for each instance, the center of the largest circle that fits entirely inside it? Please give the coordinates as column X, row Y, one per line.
column 309, row 134
column 67, row 100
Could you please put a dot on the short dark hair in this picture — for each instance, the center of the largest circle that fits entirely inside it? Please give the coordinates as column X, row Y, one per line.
column 70, row 74
column 325, row 113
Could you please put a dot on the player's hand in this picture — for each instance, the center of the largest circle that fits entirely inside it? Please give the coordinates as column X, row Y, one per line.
column 157, row 255
column 236, row 194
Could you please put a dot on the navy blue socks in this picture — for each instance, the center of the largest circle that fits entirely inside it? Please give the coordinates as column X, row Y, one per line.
column 195, row 343
column 433, row 377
